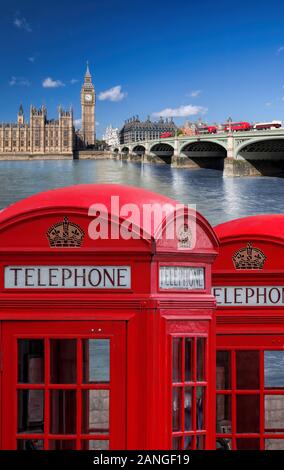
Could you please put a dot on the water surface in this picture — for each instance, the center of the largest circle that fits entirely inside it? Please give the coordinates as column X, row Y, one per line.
column 219, row 199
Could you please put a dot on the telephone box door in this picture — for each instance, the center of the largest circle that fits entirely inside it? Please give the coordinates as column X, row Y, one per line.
column 250, row 392
column 192, row 400
column 64, row 385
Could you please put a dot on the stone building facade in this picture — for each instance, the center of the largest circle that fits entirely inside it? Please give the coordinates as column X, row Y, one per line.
column 39, row 136
column 135, row 130
column 189, row 128
column 111, row 136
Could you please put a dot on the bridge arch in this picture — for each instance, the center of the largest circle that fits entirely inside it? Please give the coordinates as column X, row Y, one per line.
column 125, row 150
column 259, row 148
column 139, row 150
column 115, row 150
column 204, row 148
column 204, row 154
column 163, row 151
column 264, row 155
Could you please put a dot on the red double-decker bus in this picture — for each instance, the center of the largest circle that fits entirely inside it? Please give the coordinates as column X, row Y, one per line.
column 237, row 126
column 165, row 135
column 267, row 125
column 206, row 130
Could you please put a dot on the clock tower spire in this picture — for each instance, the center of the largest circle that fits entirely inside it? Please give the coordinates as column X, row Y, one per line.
column 88, row 104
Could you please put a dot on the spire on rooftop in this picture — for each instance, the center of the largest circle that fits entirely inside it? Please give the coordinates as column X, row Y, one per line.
column 88, row 74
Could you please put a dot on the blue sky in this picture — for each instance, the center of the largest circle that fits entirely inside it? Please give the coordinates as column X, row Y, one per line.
column 183, row 59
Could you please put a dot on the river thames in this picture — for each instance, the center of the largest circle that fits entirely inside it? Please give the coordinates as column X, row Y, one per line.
column 218, row 199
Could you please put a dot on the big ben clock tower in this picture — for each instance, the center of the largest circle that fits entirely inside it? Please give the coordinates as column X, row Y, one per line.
column 88, row 103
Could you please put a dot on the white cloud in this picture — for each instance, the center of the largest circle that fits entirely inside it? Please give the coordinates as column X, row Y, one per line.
column 182, row 111
column 78, row 123
column 31, row 59
column 50, row 83
column 195, row 93
column 280, row 49
column 97, row 123
column 73, row 81
column 268, row 104
column 113, row 94
column 21, row 23
column 12, row 81
column 19, row 81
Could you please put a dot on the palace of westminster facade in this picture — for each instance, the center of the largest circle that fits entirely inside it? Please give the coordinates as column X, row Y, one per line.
column 41, row 136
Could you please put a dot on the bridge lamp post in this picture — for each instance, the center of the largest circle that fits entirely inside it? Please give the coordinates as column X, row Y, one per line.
column 229, row 121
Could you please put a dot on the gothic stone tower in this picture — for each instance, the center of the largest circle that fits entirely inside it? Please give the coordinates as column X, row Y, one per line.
column 88, row 103
column 21, row 118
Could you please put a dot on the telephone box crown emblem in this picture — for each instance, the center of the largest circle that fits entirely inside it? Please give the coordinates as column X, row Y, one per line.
column 249, row 258
column 65, row 234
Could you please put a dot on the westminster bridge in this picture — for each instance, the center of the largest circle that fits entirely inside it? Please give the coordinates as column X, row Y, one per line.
column 246, row 153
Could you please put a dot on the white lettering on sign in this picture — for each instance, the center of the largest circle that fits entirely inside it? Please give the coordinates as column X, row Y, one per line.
column 251, row 296
column 67, row 277
column 181, row 278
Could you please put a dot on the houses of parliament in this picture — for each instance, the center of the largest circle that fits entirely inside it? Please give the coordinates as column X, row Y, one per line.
column 41, row 136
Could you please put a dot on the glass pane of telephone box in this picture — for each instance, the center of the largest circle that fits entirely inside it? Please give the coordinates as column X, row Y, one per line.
column 189, row 442
column 274, row 413
column 30, row 444
column 188, row 359
column 274, row 369
column 176, row 359
column 63, row 361
column 30, row 411
column 64, row 444
column 176, row 443
column 224, row 444
column 248, row 444
column 188, row 408
column 200, row 442
column 96, row 361
column 95, row 445
column 63, row 411
column 274, row 444
column 200, row 408
column 201, row 359
column 224, row 414
column 223, row 370
column 176, row 409
column 247, row 363
column 95, row 411
column 30, row 361
column 248, row 413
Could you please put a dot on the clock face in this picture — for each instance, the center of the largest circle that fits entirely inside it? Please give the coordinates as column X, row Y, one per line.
column 88, row 97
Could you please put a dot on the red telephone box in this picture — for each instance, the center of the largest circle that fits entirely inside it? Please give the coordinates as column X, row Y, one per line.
column 248, row 279
column 107, row 343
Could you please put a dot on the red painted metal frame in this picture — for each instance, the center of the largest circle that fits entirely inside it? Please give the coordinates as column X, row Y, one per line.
column 193, row 384
column 259, row 343
column 201, row 329
column 114, row 331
